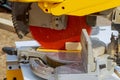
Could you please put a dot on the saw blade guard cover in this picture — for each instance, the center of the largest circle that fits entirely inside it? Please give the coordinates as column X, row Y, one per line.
column 70, row 7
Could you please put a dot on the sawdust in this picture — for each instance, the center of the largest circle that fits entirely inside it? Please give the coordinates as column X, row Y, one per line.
column 5, row 16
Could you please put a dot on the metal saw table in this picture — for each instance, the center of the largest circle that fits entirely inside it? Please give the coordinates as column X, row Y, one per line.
column 26, row 71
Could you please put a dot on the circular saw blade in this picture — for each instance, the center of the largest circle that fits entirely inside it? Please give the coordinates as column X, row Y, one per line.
column 55, row 39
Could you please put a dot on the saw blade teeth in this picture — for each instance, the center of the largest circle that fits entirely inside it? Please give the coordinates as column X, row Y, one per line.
column 20, row 23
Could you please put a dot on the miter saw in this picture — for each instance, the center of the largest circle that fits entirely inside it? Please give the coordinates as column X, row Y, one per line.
column 55, row 22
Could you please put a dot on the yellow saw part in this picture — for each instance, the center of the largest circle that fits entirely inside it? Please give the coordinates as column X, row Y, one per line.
column 14, row 74
column 74, row 7
column 50, row 1
column 80, row 7
column 53, row 50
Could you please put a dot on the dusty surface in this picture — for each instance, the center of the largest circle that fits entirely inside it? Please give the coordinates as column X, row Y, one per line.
column 7, row 38
column 5, row 16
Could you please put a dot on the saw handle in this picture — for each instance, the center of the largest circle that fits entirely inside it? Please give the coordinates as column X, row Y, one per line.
column 9, row 50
